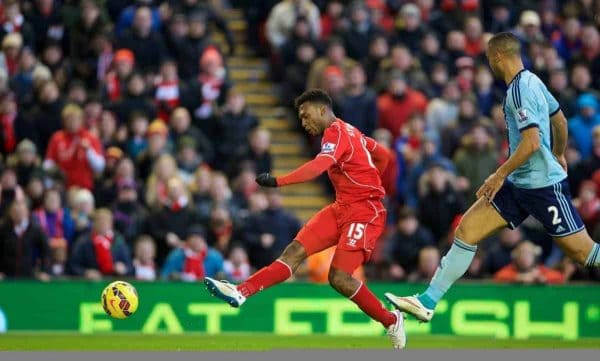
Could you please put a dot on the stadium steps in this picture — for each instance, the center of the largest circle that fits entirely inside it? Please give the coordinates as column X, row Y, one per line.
column 250, row 75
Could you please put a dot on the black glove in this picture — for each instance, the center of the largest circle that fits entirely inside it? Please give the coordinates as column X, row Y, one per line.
column 266, row 180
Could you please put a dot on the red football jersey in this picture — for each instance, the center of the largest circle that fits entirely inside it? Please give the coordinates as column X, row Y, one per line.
column 354, row 176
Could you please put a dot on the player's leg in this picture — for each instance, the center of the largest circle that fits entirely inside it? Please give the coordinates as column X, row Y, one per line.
column 553, row 207
column 319, row 233
column 344, row 263
column 346, row 260
column 581, row 248
column 479, row 222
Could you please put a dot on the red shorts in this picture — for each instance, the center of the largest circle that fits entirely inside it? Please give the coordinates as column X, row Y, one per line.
column 354, row 228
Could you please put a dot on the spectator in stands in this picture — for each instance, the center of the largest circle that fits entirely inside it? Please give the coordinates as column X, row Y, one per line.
column 233, row 127
column 130, row 215
column 82, row 206
column 499, row 253
column 102, row 252
column 359, row 104
column 11, row 52
column 454, row 132
column 588, row 204
column 294, row 80
column 158, row 145
column 13, row 22
column 168, row 90
column 86, row 28
column 256, row 155
column 590, row 51
column 163, row 170
column 144, row 256
column 8, row 118
column 401, row 61
column 580, row 126
column 236, row 266
column 456, row 44
column 27, row 162
column 23, row 244
column 501, row 16
column 412, row 31
column 270, row 232
column 581, row 80
column 222, row 230
column 75, row 151
column 398, row 103
column 55, row 220
column 188, row 159
column 137, row 142
column 484, row 90
column 569, row 40
column 135, row 99
column 476, row 159
column 301, row 33
column 428, row 261
column 209, row 90
column 334, row 83
column 116, row 79
column 46, row 115
column 473, row 30
column 439, row 201
column 283, row 17
column 191, row 45
column 168, row 224
column 526, row 269
column 430, row 52
column 146, row 43
column 194, row 260
column 378, row 51
column 181, row 126
column 10, row 190
column 335, row 54
column 361, row 32
column 565, row 95
column 405, row 243
column 442, row 112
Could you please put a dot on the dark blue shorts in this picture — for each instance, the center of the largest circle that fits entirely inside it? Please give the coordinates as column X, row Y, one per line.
column 550, row 205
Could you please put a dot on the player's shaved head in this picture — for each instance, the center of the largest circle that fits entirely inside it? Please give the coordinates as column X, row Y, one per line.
column 505, row 44
column 504, row 55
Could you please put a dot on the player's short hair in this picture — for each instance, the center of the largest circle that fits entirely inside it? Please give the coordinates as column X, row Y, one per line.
column 314, row 96
column 505, row 43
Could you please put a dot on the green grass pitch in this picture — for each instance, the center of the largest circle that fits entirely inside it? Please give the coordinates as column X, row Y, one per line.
column 260, row 342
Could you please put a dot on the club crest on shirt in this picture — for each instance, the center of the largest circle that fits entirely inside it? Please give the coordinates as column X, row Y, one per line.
column 522, row 115
column 328, row 148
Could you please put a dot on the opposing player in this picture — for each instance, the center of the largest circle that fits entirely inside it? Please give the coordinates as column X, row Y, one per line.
column 533, row 181
column 352, row 223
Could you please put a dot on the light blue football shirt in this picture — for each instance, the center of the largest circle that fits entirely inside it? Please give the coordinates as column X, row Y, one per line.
column 528, row 103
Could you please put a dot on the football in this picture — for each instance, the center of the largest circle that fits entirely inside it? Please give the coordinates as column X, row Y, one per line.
column 119, row 299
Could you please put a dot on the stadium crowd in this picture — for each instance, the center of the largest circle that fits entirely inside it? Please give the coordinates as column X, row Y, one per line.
column 127, row 151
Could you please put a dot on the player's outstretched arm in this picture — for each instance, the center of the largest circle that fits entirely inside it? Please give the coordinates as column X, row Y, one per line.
column 307, row 171
column 560, row 134
column 530, row 143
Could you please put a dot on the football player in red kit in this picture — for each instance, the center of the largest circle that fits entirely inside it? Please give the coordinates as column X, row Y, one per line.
column 353, row 223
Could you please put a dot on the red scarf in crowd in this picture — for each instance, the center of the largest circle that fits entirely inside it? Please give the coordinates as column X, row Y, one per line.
column 113, row 86
column 193, row 266
column 166, row 98
column 102, row 247
column 8, row 129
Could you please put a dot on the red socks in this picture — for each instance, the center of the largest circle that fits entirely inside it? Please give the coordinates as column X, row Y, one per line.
column 273, row 274
column 370, row 305
column 278, row 272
